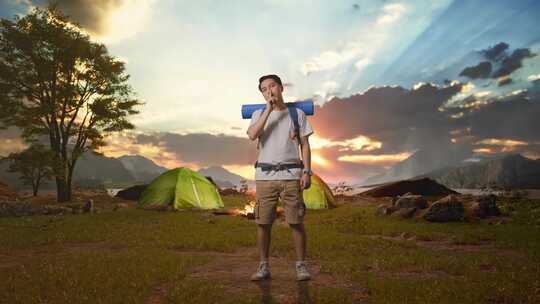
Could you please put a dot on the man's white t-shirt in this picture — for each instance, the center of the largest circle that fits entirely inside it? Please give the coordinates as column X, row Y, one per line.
column 277, row 143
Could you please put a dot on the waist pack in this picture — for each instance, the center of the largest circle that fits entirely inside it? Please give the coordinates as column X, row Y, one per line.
column 278, row 167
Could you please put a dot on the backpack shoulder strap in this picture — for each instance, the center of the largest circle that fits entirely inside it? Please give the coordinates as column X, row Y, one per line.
column 294, row 118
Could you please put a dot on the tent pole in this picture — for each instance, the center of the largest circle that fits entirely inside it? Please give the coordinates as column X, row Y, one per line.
column 195, row 191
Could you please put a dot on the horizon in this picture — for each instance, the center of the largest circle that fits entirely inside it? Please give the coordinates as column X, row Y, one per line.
column 390, row 79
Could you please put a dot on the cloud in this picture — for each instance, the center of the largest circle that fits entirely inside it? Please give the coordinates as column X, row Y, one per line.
column 481, row 70
column 362, row 63
column 385, row 159
column 513, row 62
column 359, row 48
column 399, row 118
column 511, row 117
column 392, row 12
column 331, row 59
column 500, row 61
column 496, row 52
column 203, row 149
column 505, row 80
column 106, row 20
column 533, row 78
column 329, row 89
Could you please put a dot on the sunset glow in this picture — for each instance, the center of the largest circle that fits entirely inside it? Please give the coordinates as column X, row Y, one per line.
column 375, row 159
column 502, row 142
column 360, row 143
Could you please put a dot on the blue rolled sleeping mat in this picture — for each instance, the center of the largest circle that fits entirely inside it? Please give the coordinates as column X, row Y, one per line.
column 306, row 106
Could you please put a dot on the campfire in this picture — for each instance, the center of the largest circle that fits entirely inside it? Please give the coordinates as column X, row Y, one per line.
column 248, row 211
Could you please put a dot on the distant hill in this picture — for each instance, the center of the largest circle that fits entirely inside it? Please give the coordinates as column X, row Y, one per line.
column 512, row 171
column 93, row 170
column 422, row 162
column 142, row 168
column 421, row 186
column 222, row 177
column 91, row 166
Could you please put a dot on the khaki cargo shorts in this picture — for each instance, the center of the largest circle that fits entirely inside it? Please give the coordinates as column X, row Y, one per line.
column 268, row 193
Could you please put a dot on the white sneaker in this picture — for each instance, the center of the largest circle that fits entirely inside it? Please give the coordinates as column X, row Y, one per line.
column 263, row 272
column 302, row 273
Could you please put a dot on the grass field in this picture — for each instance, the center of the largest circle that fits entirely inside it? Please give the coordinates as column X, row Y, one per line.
column 138, row 256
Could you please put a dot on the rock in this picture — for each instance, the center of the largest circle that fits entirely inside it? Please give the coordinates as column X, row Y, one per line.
column 383, row 209
column 485, row 206
column 447, row 209
column 405, row 212
column 120, row 206
column 17, row 208
column 50, row 210
column 131, row 193
column 89, row 206
column 228, row 191
column 405, row 235
column 412, row 201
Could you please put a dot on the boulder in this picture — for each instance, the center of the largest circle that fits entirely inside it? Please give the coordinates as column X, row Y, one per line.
column 447, row 209
column 485, row 206
column 119, row 206
column 19, row 209
column 412, row 201
column 89, row 206
column 404, row 212
column 382, row 210
column 228, row 191
column 132, row 193
column 50, row 210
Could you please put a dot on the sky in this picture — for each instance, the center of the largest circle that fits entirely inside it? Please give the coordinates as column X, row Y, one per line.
column 389, row 78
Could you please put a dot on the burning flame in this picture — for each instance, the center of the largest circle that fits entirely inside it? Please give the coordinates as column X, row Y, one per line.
column 249, row 208
column 249, row 211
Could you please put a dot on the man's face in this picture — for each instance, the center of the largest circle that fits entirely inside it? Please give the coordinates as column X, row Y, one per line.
column 271, row 90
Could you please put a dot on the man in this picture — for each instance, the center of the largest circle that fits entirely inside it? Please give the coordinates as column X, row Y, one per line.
column 279, row 172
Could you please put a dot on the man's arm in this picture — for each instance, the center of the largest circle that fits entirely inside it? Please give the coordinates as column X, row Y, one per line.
column 305, row 181
column 306, row 152
column 255, row 129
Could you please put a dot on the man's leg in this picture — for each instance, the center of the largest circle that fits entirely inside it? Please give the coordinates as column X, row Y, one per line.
column 295, row 209
column 299, row 236
column 265, row 212
column 264, row 233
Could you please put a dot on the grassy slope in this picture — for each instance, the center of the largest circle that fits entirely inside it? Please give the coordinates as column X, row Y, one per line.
column 122, row 257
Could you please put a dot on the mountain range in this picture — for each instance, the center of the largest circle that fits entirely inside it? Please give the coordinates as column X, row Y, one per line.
column 512, row 171
column 94, row 170
column 423, row 162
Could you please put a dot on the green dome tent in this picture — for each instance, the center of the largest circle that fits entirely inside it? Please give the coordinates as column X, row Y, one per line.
column 319, row 195
column 181, row 188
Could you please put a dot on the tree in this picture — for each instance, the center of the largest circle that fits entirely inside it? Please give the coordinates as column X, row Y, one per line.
column 57, row 83
column 34, row 164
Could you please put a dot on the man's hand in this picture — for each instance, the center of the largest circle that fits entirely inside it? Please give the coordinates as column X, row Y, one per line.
column 305, row 182
column 270, row 104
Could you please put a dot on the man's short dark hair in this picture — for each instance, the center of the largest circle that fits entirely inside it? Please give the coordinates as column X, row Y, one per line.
column 271, row 76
